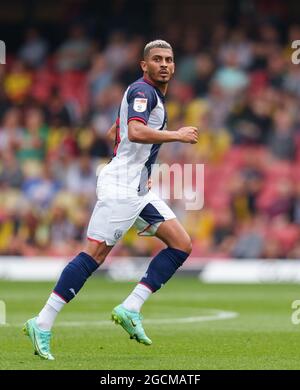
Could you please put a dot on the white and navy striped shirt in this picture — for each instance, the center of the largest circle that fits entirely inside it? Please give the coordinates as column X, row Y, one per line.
column 131, row 163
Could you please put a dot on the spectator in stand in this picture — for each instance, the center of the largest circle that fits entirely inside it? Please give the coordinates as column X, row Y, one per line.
column 223, row 227
column 239, row 44
column 291, row 82
column 58, row 113
column 220, row 104
column 250, row 240
column 79, row 217
column 75, row 53
column 232, row 79
column 269, row 34
column 100, row 146
column 243, row 196
column 250, row 122
column 130, row 72
column 100, row 76
column 282, row 142
column 276, row 69
column 17, row 82
column 61, row 229
column 106, row 108
column 28, row 231
column 10, row 130
column 33, row 141
column 41, row 190
column 116, row 51
column 204, row 68
column 11, row 174
column 283, row 202
column 186, row 65
column 81, row 177
column 252, row 174
column 34, row 50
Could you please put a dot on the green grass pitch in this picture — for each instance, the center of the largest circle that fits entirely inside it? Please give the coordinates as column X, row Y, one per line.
column 261, row 336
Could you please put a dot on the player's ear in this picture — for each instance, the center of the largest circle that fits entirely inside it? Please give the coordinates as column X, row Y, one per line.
column 143, row 65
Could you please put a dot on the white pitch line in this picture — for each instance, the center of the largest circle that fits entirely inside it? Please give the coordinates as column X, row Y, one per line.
column 218, row 315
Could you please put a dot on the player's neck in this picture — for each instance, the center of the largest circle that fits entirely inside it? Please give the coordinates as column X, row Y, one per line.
column 162, row 87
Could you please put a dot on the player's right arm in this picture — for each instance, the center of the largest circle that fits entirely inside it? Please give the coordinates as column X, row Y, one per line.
column 141, row 133
column 141, row 100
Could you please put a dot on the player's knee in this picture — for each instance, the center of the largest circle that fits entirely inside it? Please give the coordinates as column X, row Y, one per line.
column 98, row 251
column 99, row 258
column 185, row 245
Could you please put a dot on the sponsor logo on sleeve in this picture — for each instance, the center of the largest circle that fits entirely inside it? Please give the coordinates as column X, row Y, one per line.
column 140, row 105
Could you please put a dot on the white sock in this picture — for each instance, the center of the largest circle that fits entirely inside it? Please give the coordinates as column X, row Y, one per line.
column 135, row 300
column 46, row 318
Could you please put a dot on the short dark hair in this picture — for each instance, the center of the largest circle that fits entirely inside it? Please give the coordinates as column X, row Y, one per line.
column 158, row 43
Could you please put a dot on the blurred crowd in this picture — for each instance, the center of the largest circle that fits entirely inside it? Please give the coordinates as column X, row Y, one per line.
column 236, row 84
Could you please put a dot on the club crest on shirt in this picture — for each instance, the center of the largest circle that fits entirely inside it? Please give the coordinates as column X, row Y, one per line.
column 118, row 234
column 139, row 104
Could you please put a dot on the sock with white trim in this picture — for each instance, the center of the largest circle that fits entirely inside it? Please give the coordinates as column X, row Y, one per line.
column 136, row 299
column 47, row 316
column 70, row 282
column 75, row 275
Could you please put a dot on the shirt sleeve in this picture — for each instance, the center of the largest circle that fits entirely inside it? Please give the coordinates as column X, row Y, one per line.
column 141, row 100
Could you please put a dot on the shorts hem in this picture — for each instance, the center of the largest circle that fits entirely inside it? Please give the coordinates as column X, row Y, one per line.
column 107, row 242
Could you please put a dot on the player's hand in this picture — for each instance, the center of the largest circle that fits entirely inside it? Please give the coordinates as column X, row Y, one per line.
column 188, row 135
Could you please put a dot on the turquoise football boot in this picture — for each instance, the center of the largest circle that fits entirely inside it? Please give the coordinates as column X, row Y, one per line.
column 39, row 338
column 131, row 322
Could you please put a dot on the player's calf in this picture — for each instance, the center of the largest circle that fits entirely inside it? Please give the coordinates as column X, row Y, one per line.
column 162, row 267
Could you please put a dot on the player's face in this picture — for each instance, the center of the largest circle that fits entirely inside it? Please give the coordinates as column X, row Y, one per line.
column 159, row 65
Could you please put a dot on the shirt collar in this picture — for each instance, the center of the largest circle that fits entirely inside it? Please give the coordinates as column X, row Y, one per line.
column 160, row 94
